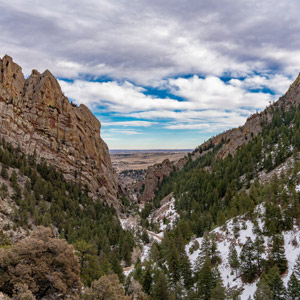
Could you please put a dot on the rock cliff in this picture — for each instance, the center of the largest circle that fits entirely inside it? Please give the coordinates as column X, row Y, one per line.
column 37, row 117
column 154, row 177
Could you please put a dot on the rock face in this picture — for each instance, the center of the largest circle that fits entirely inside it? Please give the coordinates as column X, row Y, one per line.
column 154, row 176
column 37, row 117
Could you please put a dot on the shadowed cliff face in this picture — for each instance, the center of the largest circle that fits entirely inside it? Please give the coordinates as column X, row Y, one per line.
column 37, row 117
column 154, row 177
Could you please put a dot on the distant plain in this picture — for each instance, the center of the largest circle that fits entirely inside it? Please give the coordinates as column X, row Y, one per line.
column 141, row 159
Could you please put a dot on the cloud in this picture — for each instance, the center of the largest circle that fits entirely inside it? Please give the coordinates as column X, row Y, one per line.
column 118, row 97
column 208, row 104
column 129, row 123
column 277, row 83
column 159, row 62
column 127, row 132
column 147, row 41
column 197, row 94
column 212, row 92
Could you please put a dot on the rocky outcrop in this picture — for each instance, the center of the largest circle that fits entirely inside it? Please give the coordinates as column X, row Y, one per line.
column 154, row 177
column 37, row 117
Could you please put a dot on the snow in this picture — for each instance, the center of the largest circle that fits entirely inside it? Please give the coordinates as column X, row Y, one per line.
column 146, row 252
column 292, row 250
column 225, row 237
column 166, row 212
column 236, row 231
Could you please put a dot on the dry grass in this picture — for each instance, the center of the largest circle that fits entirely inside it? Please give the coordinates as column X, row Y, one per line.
column 142, row 160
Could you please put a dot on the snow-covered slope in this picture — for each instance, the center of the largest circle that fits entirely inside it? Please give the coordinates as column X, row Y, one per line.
column 228, row 234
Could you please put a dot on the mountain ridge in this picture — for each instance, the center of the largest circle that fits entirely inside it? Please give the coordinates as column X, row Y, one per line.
column 37, row 117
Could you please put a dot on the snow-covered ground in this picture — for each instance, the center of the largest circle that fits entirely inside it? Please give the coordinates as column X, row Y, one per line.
column 225, row 237
column 166, row 213
column 166, row 216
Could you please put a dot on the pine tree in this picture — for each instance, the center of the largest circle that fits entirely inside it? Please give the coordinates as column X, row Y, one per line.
column 259, row 249
column 297, row 268
column 107, row 287
column 293, row 290
column 147, row 279
column 276, row 284
column 233, row 258
column 173, row 262
column 247, row 261
column 263, row 291
column 116, row 267
column 205, row 252
column 277, row 256
column 160, row 287
column 185, row 268
column 205, row 281
column 4, row 172
column 219, row 291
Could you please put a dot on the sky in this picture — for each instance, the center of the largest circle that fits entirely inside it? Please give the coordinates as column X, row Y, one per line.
column 165, row 74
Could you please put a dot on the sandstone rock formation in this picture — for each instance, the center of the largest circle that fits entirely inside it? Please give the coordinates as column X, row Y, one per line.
column 154, row 176
column 36, row 116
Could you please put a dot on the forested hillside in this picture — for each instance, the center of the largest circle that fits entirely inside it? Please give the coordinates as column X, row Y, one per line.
column 256, row 187
column 39, row 195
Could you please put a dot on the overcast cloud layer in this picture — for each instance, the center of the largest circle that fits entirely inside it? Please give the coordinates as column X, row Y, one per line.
column 153, row 71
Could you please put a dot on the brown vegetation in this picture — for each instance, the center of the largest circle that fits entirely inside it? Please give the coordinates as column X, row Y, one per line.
column 40, row 266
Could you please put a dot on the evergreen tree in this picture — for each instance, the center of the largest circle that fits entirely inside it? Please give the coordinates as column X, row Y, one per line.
column 233, row 258
column 276, row 284
column 293, row 290
column 160, row 287
column 219, row 291
column 108, row 288
column 297, row 268
column 13, row 178
column 173, row 262
column 4, row 172
column 263, row 291
column 247, row 261
column 277, row 256
column 205, row 252
column 259, row 249
column 116, row 267
column 205, row 281
column 147, row 279
column 185, row 268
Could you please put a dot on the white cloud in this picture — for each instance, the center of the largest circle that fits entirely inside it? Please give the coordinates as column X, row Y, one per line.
column 198, row 94
column 149, row 40
column 118, row 97
column 127, row 132
column 129, row 123
column 277, row 83
column 209, row 104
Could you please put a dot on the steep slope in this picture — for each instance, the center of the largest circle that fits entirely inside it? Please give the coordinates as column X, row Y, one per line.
column 36, row 117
